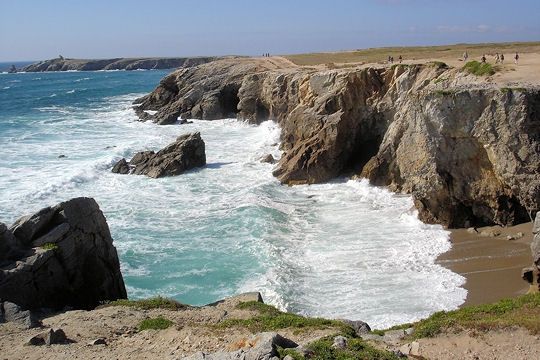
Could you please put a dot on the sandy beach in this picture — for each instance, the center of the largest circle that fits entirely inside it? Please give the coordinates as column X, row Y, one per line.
column 490, row 262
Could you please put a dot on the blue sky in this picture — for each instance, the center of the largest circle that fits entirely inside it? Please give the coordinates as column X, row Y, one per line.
column 41, row 29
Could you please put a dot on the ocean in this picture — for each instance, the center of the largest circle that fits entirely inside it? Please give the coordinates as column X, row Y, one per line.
column 344, row 249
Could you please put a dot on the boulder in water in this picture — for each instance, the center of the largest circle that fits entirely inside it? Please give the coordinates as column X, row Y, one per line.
column 187, row 152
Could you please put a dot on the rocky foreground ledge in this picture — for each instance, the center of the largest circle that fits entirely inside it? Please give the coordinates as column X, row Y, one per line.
column 64, row 64
column 464, row 147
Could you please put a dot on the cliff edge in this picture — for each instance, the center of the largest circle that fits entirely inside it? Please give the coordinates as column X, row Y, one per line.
column 464, row 147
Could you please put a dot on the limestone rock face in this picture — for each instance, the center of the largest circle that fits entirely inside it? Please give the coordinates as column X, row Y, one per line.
column 64, row 257
column 465, row 151
column 187, row 152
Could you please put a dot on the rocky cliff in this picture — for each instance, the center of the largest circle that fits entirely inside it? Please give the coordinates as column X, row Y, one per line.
column 60, row 256
column 63, row 64
column 467, row 150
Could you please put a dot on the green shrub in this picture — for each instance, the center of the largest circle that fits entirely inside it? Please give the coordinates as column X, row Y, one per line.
column 158, row 323
column 49, row 246
column 439, row 65
column 479, row 69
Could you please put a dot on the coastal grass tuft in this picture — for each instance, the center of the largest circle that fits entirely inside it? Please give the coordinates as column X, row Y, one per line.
column 479, row 69
column 444, row 92
column 356, row 349
column 148, row 304
column 49, row 246
column 269, row 319
column 439, row 64
column 159, row 323
column 523, row 312
column 440, row 80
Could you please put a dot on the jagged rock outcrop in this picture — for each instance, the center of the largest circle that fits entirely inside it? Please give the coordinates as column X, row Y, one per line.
column 63, row 64
column 60, row 256
column 464, row 150
column 263, row 346
column 187, row 152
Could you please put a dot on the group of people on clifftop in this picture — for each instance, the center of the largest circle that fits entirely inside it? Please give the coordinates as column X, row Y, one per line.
column 391, row 59
column 499, row 58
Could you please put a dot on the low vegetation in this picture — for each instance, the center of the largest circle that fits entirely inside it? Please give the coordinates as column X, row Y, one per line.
column 523, row 312
column 356, row 349
column 159, row 323
column 444, row 92
column 49, row 246
column 509, row 90
column 271, row 319
column 479, row 69
column 440, row 80
column 148, row 304
column 439, row 65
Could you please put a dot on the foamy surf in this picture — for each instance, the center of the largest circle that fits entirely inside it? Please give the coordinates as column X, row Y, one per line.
column 340, row 250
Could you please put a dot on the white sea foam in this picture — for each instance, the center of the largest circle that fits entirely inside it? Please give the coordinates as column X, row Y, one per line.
column 343, row 249
column 70, row 91
column 6, row 87
column 82, row 79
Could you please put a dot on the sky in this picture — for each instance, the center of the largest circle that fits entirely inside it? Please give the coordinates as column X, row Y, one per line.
column 43, row 29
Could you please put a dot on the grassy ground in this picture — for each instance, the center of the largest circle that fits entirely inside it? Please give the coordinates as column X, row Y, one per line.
column 159, row 323
column 523, row 312
column 270, row 319
column 453, row 52
column 479, row 69
column 148, row 304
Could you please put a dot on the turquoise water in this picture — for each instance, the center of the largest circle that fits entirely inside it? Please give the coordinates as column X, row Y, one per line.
column 343, row 249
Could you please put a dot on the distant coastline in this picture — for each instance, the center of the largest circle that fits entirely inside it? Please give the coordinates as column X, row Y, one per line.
column 67, row 64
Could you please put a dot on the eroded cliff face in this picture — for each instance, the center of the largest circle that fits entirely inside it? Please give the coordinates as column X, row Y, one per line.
column 467, row 152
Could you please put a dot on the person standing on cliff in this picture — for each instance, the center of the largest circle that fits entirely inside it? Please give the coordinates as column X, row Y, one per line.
column 502, row 58
column 400, row 59
column 516, row 58
column 483, row 59
column 465, row 56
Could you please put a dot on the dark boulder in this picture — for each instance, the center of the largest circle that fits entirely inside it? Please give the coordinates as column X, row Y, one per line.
column 121, row 167
column 65, row 257
column 187, row 152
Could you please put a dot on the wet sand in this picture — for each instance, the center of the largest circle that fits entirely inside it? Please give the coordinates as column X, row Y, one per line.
column 491, row 265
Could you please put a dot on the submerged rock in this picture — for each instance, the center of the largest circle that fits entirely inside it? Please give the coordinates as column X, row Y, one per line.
column 60, row 256
column 187, row 152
